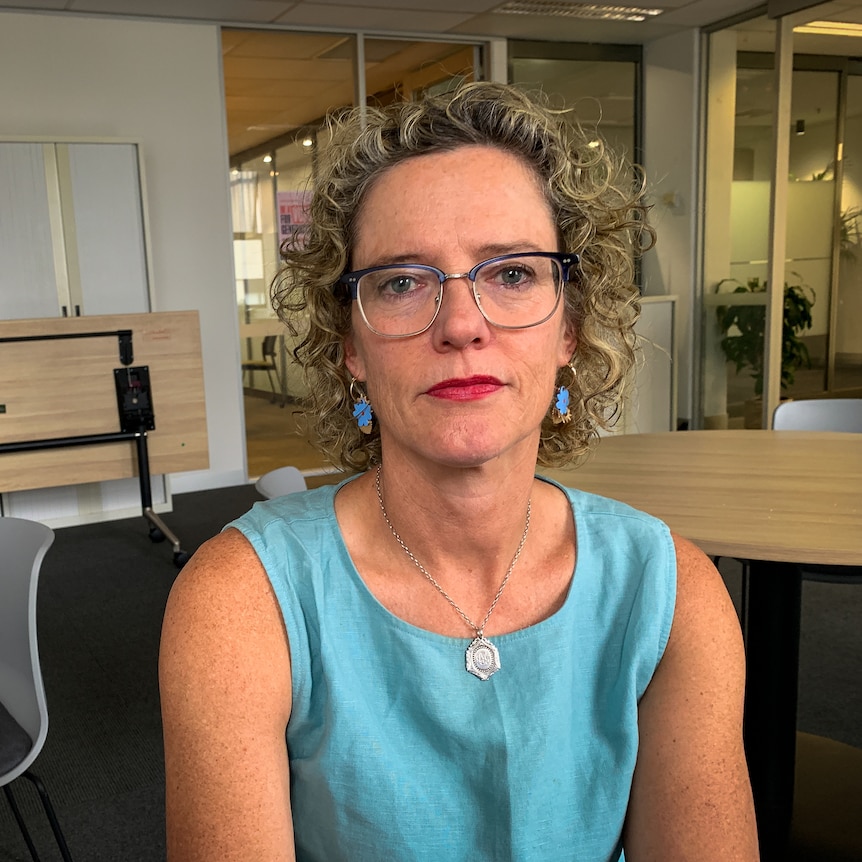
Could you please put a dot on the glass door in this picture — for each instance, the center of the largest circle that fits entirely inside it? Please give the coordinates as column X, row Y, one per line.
column 820, row 317
column 846, row 355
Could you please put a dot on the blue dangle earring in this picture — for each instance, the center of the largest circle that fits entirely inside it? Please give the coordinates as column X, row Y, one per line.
column 361, row 408
column 560, row 412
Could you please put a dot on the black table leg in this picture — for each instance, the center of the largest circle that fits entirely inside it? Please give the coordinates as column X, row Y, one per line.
column 772, row 659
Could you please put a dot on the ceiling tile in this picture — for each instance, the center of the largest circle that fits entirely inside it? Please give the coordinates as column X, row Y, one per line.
column 366, row 18
column 548, row 28
column 703, row 12
column 48, row 5
column 463, row 7
column 250, row 11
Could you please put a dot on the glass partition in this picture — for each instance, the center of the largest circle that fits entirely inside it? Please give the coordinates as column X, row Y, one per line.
column 808, row 265
column 819, row 355
column 847, row 317
column 599, row 83
column 279, row 87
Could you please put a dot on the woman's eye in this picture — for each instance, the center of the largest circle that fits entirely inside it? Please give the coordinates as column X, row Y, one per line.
column 399, row 284
column 512, row 276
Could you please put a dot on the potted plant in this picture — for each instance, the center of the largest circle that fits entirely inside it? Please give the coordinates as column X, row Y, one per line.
column 742, row 328
column 850, row 232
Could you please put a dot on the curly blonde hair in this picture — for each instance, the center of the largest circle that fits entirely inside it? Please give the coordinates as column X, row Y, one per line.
column 597, row 203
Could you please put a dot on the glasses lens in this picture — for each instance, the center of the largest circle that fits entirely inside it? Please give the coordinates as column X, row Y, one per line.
column 398, row 300
column 519, row 291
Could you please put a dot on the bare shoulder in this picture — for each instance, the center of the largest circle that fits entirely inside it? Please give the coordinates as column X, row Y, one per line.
column 224, row 676
column 691, row 796
column 222, row 600
column 222, row 617
column 703, row 610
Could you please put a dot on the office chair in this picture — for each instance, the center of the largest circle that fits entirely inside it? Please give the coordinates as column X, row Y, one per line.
column 819, row 414
column 281, row 481
column 822, row 414
column 267, row 364
column 23, row 708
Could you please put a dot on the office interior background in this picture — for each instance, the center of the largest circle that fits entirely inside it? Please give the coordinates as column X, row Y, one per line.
column 222, row 104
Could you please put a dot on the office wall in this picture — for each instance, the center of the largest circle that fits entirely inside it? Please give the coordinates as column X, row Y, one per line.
column 670, row 154
column 159, row 84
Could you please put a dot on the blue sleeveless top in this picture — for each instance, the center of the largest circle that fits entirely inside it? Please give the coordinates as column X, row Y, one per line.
column 397, row 754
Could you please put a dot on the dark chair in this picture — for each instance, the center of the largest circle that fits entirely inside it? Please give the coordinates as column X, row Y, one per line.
column 267, row 364
column 23, row 708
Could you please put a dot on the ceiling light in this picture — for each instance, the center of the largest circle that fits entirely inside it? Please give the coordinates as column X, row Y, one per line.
column 307, row 142
column 267, row 159
column 830, row 28
column 577, row 10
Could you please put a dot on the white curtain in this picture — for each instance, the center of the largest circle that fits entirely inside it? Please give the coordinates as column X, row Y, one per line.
column 245, row 202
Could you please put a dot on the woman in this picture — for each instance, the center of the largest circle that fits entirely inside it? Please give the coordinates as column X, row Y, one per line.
column 465, row 661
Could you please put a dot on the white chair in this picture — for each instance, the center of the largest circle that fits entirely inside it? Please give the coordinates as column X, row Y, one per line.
column 819, row 414
column 822, row 414
column 23, row 708
column 281, row 481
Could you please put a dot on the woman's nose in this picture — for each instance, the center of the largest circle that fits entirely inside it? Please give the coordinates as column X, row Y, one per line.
column 459, row 321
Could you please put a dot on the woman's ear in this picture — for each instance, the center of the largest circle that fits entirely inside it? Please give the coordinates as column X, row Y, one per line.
column 352, row 359
column 569, row 342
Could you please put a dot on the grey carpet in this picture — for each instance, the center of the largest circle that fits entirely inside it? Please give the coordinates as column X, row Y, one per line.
column 102, row 593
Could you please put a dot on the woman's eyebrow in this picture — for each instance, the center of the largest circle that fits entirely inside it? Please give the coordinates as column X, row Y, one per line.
column 484, row 252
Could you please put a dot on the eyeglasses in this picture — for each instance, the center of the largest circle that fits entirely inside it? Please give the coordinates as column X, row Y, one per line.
column 513, row 291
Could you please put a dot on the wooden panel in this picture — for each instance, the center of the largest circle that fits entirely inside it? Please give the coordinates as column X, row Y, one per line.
column 66, row 388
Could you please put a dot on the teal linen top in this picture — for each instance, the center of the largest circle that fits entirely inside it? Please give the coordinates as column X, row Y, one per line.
column 397, row 754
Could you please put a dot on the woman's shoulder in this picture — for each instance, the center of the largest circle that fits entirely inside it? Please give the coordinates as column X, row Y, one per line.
column 588, row 503
column 221, row 614
column 223, row 575
column 303, row 506
column 603, row 519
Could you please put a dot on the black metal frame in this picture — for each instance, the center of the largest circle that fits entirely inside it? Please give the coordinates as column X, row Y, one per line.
column 49, row 813
column 135, row 420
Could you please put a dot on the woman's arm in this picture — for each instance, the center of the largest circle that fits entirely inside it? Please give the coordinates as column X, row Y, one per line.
column 691, row 796
column 224, row 674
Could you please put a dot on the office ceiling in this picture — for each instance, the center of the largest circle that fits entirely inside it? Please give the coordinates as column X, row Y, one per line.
column 416, row 16
column 286, row 62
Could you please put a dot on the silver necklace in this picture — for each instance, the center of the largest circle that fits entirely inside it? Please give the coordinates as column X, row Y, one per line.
column 482, row 657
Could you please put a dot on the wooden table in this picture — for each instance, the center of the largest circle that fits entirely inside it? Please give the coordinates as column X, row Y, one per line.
column 776, row 498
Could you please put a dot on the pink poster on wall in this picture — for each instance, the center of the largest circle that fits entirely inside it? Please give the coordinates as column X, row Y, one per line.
column 293, row 216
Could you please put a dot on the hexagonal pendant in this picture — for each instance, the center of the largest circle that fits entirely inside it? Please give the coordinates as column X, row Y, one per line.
column 483, row 660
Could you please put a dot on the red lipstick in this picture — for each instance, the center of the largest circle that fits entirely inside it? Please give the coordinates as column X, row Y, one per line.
column 465, row 388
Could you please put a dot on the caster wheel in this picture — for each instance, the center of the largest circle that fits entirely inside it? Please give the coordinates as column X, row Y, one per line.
column 156, row 535
column 181, row 558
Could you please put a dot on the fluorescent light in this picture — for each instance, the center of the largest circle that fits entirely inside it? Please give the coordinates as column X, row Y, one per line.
column 830, row 28
column 592, row 11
